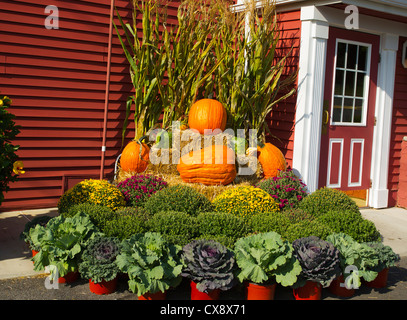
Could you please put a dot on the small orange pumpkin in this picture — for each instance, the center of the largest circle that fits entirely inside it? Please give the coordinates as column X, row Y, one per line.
column 271, row 159
column 135, row 156
column 207, row 114
column 214, row 165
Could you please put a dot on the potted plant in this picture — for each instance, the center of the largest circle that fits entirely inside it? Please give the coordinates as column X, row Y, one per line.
column 265, row 259
column 61, row 243
column 152, row 264
column 25, row 234
column 320, row 265
column 387, row 258
column 358, row 261
column 99, row 264
column 210, row 266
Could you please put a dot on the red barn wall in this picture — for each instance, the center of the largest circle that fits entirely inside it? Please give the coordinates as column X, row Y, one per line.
column 281, row 120
column 57, row 80
column 399, row 126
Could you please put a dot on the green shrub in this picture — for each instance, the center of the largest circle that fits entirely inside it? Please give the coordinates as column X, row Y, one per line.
column 228, row 242
column 133, row 211
column 306, row 228
column 273, row 221
column 286, row 189
column 176, row 227
column 98, row 214
column 93, row 191
column 326, row 199
column 223, row 225
column 245, row 201
column 352, row 224
column 180, row 198
column 8, row 132
column 124, row 226
column 296, row 215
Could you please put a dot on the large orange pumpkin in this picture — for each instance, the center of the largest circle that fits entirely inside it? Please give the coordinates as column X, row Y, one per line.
column 271, row 159
column 214, row 165
column 135, row 157
column 207, row 114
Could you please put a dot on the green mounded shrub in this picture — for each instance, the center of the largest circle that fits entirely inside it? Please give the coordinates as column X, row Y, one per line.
column 296, row 215
column 286, row 189
column 325, row 199
column 180, row 198
column 245, row 201
column 124, row 226
column 93, row 191
column 306, row 228
column 228, row 242
column 352, row 224
column 125, row 222
column 273, row 221
column 222, row 225
column 98, row 214
column 176, row 227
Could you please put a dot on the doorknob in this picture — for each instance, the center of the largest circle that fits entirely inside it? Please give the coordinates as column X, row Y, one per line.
column 326, row 117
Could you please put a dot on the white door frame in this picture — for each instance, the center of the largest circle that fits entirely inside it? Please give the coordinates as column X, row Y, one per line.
column 315, row 22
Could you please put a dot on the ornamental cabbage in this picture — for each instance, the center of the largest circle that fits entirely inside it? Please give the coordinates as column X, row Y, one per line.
column 61, row 242
column 387, row 257
column 99, row 259
column 266, row 258
column 319, row 260
column 209, row 264
column 358, row 260
column 151, row 263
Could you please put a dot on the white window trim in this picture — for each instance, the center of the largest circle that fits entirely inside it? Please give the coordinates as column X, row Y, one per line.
column 366, row 85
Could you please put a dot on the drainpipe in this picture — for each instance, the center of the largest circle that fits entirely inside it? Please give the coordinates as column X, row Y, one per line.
column 109, row 53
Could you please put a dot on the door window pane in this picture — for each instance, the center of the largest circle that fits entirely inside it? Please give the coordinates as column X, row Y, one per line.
column 351, row 76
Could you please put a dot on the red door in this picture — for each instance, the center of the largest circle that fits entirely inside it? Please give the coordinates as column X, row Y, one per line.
column 348, row 115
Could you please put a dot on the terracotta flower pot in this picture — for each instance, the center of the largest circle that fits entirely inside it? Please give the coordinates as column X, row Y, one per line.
column 153, row 296
column 104, row 287
column 310, row 291
column 198, row 295
column 69, row 277
column 260, row 292
column 380, row 281
column 338, row 290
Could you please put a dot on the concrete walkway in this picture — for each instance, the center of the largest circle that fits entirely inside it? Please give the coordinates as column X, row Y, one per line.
column 15, row 255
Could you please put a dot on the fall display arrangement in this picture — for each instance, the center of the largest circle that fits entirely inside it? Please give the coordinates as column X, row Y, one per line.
column 212, row 228
column 196, row 216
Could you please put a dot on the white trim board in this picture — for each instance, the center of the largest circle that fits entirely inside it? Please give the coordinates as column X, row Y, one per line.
column 311, row 79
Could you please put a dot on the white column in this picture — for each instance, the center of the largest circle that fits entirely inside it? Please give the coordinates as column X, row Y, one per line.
column 311, row 78
column 379, row 192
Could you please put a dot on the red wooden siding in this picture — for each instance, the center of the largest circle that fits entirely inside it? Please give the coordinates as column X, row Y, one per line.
column 399, row 125
column 57, row 79
column 281, row 119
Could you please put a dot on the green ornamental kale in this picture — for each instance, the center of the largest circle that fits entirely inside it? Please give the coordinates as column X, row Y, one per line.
column 358, row 260
column 319, row 260
column 266, row 258
column 209, row 264
column 61, row 242
column 99, row 259
column 151, row 263
column 387, row 257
